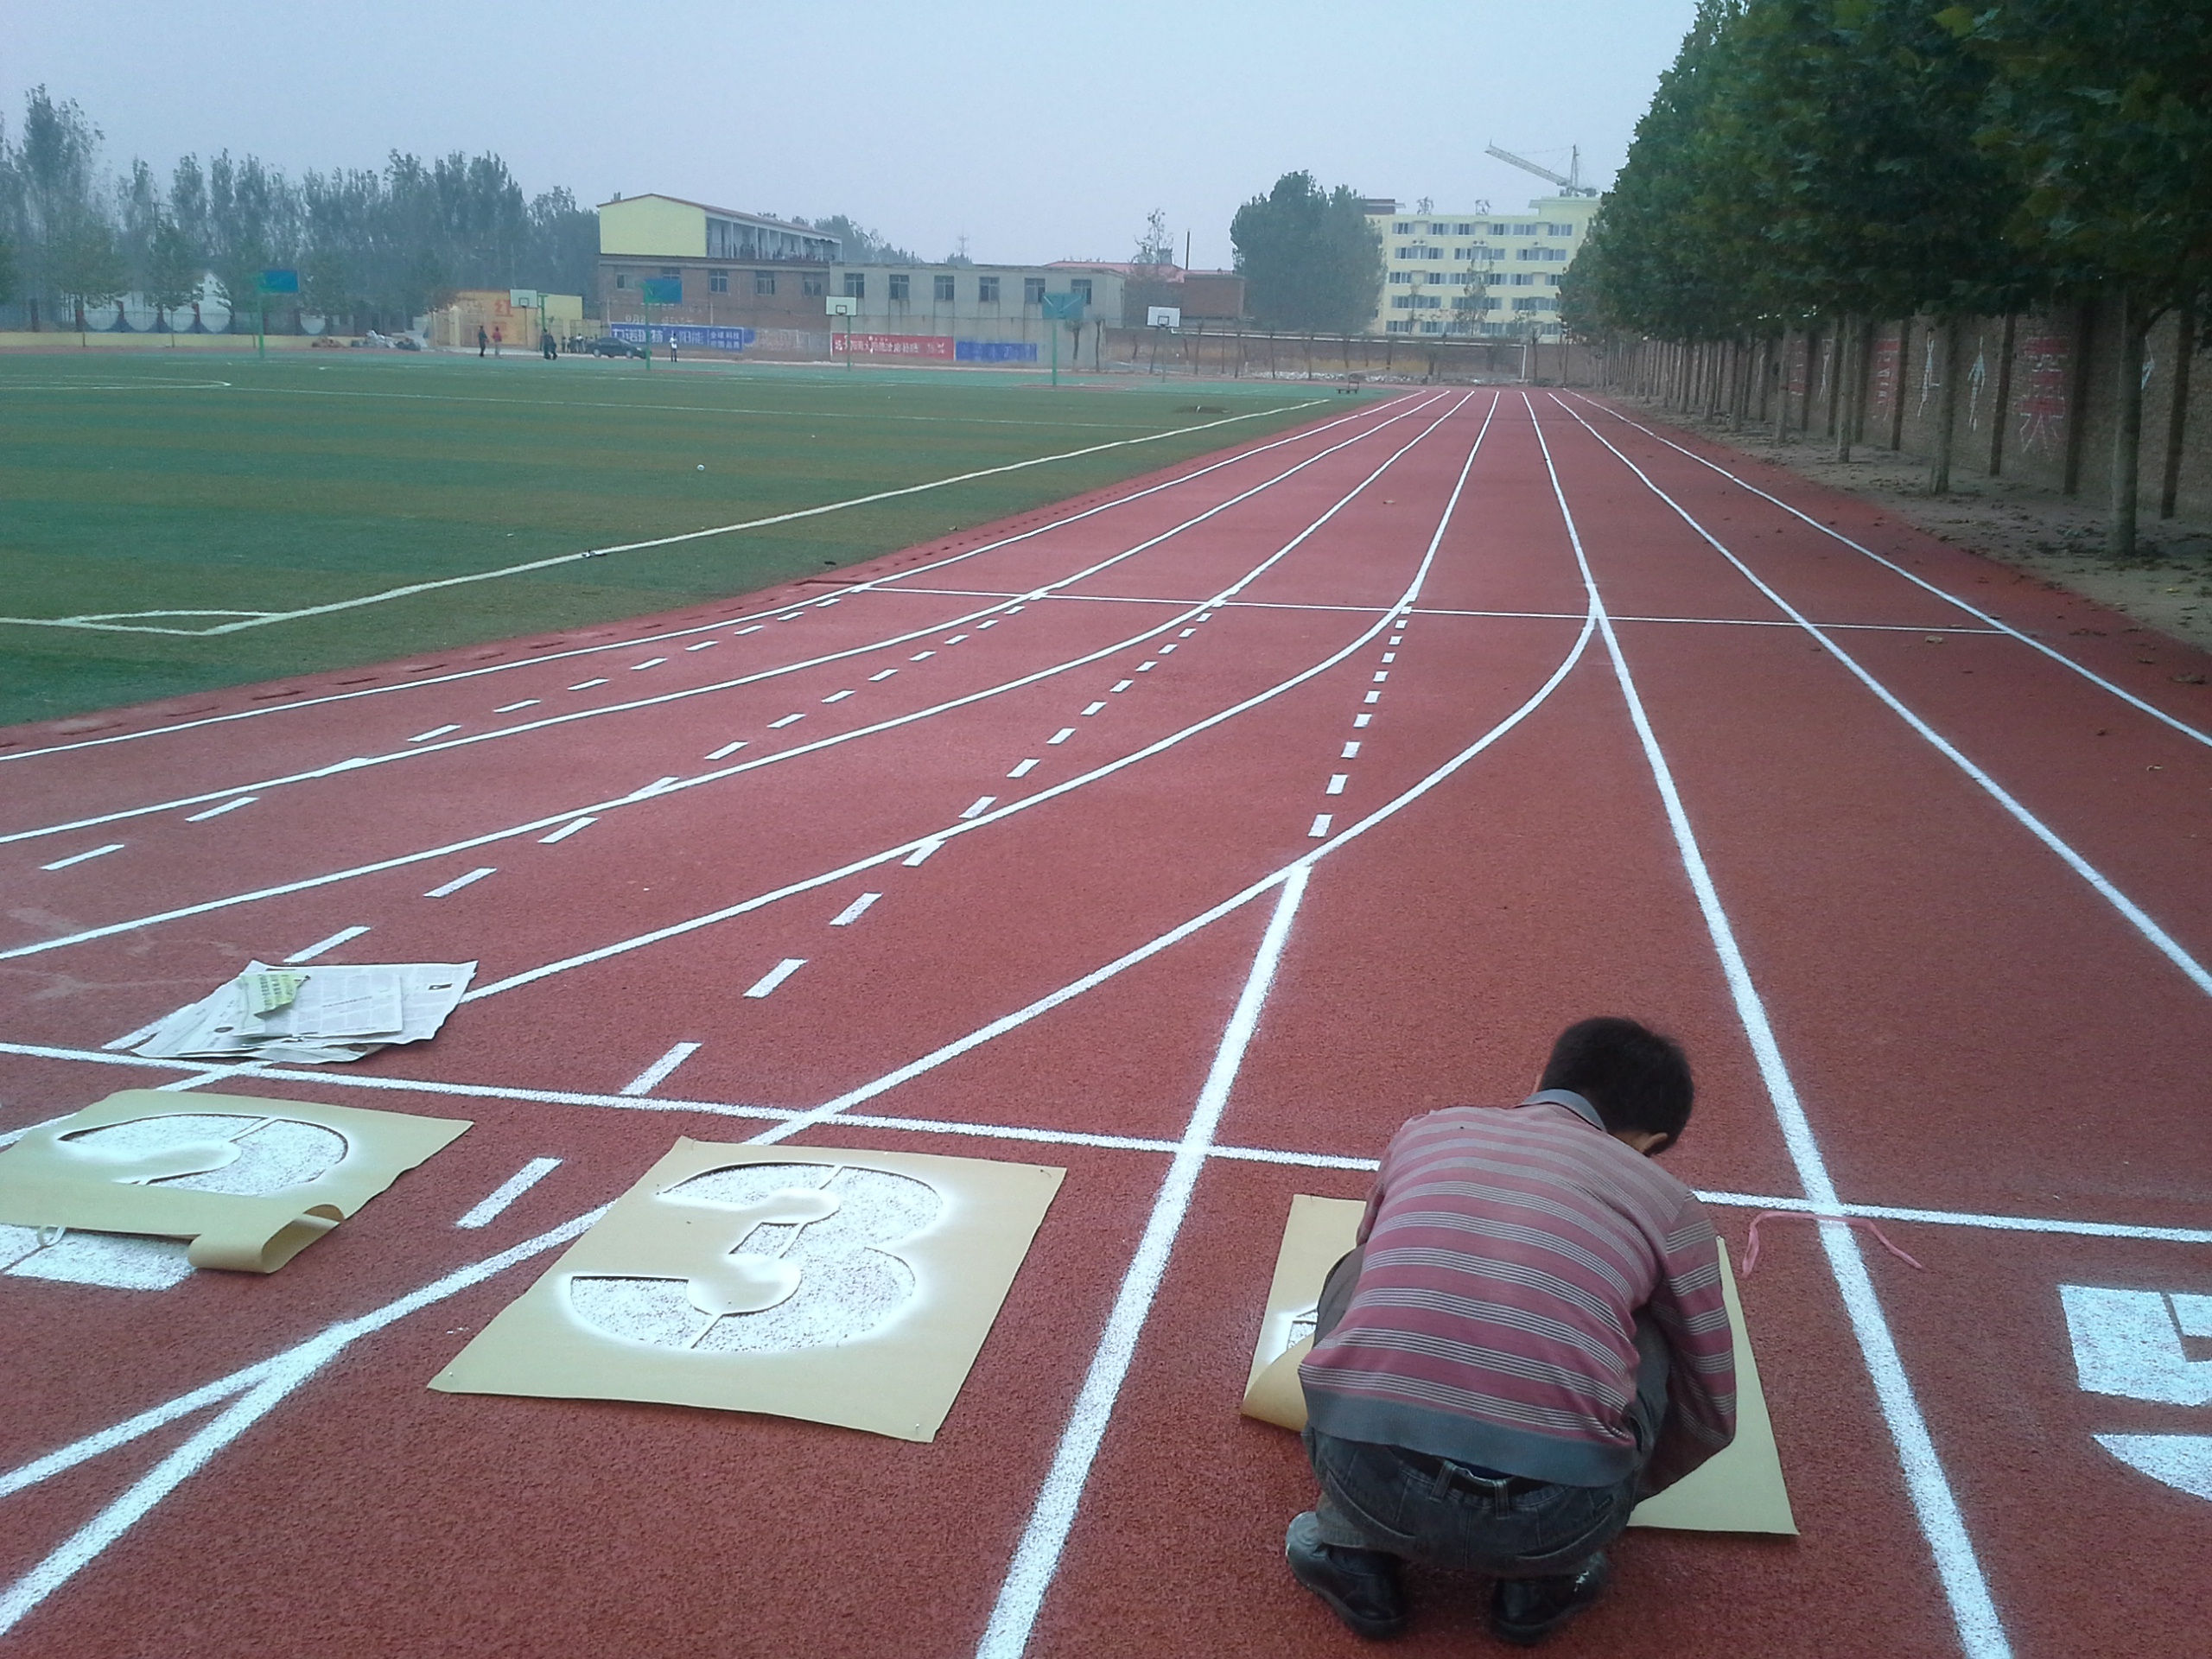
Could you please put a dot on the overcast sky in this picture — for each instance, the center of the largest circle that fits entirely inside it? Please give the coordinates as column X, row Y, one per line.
column 1040, row 129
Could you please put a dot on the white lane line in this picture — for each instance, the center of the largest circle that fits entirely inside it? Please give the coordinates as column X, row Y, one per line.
column 1124, row 685
column 1359, row 721
column 854, row 911
column 645, row 793
column 1207, row 616
column 508, row 1190
column 460, row 881
column 921, row 656
column 1981, row 1631
column 1014, row 610
column 1381, row 675
column 755, row 628
column 1025, row 769
column 79, row 858
column 1037, row 1558
column 1996, row 623
column 1147, row 668
column 776, row 976
column 2132, row 913
column 566, row 830
column 135, row 1038
column 516, row 708
column 1187, row 633
column 726, row 751
column 330, row 943
column 704, row 645
column 1321, row 821
column 982, row 805
column 650, row 1078
column 956, row 640
column 230, row 805
column 1389, row 655
column 1336, row 782
column 435, row 731
column 920, row 853
column 1351, row 751
column 836, row 697
column 1062, row 735
column 885, row 675
column 793, row 617
column 650, row 662
column 586, row 685
column 788, row 719
column 1169, row 646
column 993, row 623
column 1094, row 708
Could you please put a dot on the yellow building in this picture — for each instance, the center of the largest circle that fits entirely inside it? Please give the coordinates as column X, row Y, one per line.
column 493, row 310
column 1477, row 274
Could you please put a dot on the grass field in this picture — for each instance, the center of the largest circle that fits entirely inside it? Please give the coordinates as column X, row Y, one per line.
column 230, row 485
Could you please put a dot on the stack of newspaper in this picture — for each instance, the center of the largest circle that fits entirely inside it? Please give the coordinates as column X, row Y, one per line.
column 310, row 1015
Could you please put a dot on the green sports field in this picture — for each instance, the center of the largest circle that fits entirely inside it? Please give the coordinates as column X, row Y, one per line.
column 229, row 486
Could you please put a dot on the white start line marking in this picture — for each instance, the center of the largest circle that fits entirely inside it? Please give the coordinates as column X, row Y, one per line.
column 1359, row 721
column 79, row 858
column 654, row 1075
column 330, row 943
column 1351, row 751
column 1025, row 769
column 776, row 976
column 836, row 697
column 1094, row 708
column 726, row 751
column 982, row 805
column 517, row 707
column 1374, row 696
column 460, row 881
column 755, row 628
column 1124, row 685
column 1336, row 782
column 1321, row 821
column 227, row 806
column 703, row 645
column 650, row 662
column 566, row 830
column 777, row 725
column 920, row 853
column 886, row 675
column 1062, row 735
column 586, row 685
column 854, row 911
column 921, row 656
column 435, row 731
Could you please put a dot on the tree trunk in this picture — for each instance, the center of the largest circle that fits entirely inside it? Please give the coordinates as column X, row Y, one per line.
column 1782, row 390
column 1946, row 405
column 2178, row 416
column 1840, row 400
column 2128, row 426
column 2000, row 412
column 1897, row 385
column 1839, row 342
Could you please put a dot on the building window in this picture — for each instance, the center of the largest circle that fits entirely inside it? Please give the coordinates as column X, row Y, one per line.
column 900, row 286
column 1402, row 228
column 764, row 281
column 1080, row 287
column 1559, row 229
column 944, row 288
column 987, row 290
column 1525, row 229
column 1401, row 276
column 718, row 281
column 1462, row 229
column 621, row 279
column 813, row 285
column 1402, row 301
column 1432, row 327
column 1528, row 305
column 855, row 285
column 1399, row 328
column 1524, row 279
column 1551, row 280
column 1033, row 290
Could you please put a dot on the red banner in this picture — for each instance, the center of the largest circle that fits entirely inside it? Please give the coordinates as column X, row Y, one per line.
column 893, row 345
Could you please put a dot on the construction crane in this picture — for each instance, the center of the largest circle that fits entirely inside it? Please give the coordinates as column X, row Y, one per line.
column 1571, row 183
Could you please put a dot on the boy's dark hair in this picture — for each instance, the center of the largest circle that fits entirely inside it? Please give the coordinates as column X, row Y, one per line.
column 1636, row 1078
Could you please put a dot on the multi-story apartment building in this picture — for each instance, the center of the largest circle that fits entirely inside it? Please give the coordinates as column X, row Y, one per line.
column 1480, row 273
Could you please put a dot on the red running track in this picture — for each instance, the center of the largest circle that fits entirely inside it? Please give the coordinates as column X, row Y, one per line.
column 1417, row 734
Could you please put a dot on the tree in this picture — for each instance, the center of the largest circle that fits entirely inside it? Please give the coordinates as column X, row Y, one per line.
column 11, row 276
column 49, row 190
column 1311, row 261
column 172, row 271
column 1156, row 242
column 85, row 266
column 862, row 246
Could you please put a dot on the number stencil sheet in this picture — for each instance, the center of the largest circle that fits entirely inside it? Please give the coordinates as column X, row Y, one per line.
column 841, row 1287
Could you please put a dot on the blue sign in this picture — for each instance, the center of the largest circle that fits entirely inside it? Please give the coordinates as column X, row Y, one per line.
column 993, row 350
column 698, row 336
column 662, row 290
column 280, row 281
column 1064, row 308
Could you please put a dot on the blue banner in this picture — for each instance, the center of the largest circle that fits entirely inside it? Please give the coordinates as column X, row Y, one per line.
column 994, row 351
column 698, row 336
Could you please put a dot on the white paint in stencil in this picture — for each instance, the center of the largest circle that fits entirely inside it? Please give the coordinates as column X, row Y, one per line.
column 2182, row 1461
column 112, row 1261
column 2129, row 1343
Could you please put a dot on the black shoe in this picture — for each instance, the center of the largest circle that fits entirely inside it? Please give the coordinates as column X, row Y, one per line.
column 1360, row 1585
column 1525, row 1611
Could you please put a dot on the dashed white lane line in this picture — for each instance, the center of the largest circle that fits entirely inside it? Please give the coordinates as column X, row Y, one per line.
column 1147, row 668
column 1170, row 646
column 330, row 943
column 921, row 853
column 993, row 623
column 1397, row 639
column 586, row 685
column 704, row 645
column 755, row 628
column 1024, row 769
column 647, row 792
column 777, row 725
column 776, row 976
column 514, row 708
column 1351, row 751
column 1359, row 721
column 650, row 662
column 854, row 911
column 956, row 640
column 1062, row 735
column 982, row 805
column 836, row 697
column 566, row 830
column 435, row 731
column 1094, row 708
column 1187, row 633
column 1124, row 685
column 231, row 805
column 654, row 1075
column 1389, row 655
column 886, row 675
column 460, row 881
column 921, row 656
column 726, row 751
column 1381, row 675
column 1374, row 696
column 1321, row 821
column 79, row 858
column 509, row 1190
column 793, row 617
column 1336, row 782
column 1205, row 616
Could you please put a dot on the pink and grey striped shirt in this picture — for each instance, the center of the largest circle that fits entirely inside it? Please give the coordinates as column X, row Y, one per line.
column 1512, row 1256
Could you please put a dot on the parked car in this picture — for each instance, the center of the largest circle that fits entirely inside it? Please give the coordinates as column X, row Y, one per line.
column 608, row 346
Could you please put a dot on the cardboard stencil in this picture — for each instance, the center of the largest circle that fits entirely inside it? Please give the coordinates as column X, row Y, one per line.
column 841, row 1287
column 251, row 1182
column 1738, row 1489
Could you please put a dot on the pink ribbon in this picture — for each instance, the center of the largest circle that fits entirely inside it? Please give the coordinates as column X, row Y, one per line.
column 1751, row 1244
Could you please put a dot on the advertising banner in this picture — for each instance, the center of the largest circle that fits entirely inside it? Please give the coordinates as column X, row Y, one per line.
column 938, row 346
column 698, row 336
column 996, row 351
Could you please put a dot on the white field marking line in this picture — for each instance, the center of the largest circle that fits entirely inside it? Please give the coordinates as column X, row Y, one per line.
column 890, row 723
column 586, row 685
column 1336, row 782
column 1997, row 625
column 854, row 911
column 2132, row 913
column 508, row 1190
column 704, row 645
column 788, row 719
column 726, row 751
column 1094, row 707
column 776, row 976
column 331, row 944
column 563, row 832
column 264, row 1385
column 650, row 662
column 532, row 702
column 1351, row 751
column 924, row 846
column 1321, row 822
column 1981, row 1631
column 526, row 728
column 1023, row 768
column 230, row 805
column 1037, row 1558
column 836, row 697
column 435, row 731
column 460, row 881
column 983, row 805
column 710, row 627
column 1062, row 735
column 884, row 674
column 412, row 588
column 80, row 858
column 652, row 1077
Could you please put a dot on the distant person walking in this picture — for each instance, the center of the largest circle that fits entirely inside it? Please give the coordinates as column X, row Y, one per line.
column 483, row 341
column 498, row 339
column 671, row 348
column 546, row 345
